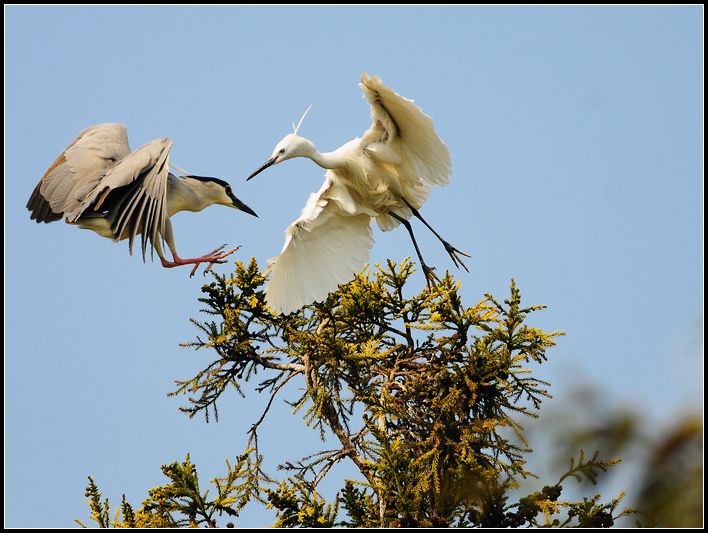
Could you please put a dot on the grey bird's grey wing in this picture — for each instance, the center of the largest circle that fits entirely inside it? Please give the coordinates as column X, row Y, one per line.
column 77, row 170
column 132, row 195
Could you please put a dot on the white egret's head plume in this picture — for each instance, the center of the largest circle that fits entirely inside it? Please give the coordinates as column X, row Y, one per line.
column 292, row 145
column 297, row 128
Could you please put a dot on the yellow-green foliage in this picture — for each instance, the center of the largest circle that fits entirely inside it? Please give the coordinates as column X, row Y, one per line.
column 421, row 392
column 180, row 503
column 299, row 505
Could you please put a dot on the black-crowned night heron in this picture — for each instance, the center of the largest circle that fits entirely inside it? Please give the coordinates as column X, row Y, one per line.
column 97, row 183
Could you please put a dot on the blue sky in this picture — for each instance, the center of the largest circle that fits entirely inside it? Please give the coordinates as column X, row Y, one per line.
column 576, row 139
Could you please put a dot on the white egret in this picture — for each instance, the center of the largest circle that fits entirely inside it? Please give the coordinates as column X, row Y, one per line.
column 386, row 174
column 97, row 183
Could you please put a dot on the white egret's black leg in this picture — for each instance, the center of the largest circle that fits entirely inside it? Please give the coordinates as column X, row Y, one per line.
column 450, row 249
column 428, row 271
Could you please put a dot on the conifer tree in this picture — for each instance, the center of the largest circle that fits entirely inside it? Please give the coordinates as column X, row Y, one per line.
column 425, row 395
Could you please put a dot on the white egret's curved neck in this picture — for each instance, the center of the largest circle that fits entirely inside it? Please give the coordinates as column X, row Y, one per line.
column 328, row 160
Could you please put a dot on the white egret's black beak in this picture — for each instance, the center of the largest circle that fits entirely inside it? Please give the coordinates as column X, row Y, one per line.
column 238, row 204
column 264, row 166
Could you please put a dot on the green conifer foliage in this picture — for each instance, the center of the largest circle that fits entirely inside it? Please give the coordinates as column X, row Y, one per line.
column 425, row 395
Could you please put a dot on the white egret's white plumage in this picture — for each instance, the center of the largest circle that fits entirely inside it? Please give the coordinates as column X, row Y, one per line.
column 386, row 174
column 97, row 183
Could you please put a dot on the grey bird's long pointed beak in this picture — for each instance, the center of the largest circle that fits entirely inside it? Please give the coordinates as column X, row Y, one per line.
column 238, row 204
column 264, row 166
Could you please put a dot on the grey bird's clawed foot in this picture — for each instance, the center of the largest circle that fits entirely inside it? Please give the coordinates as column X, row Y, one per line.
column 215, row 257
column 214, row 252
column 210, row 265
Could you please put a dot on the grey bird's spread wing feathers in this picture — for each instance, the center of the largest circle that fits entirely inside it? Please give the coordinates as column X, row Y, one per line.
column 133, row 195
column 77, row 171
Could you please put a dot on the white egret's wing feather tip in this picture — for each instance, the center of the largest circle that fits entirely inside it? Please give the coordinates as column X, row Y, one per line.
column 325, row 247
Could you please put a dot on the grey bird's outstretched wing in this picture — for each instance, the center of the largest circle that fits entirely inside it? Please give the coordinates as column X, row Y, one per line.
column 77, row 170
column 132, row 195
column 98, row 176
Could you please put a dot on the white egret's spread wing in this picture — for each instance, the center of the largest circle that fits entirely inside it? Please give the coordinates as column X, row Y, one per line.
column 402, row 135
column 325, row 247
column 77, row 170
column 132, row 195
